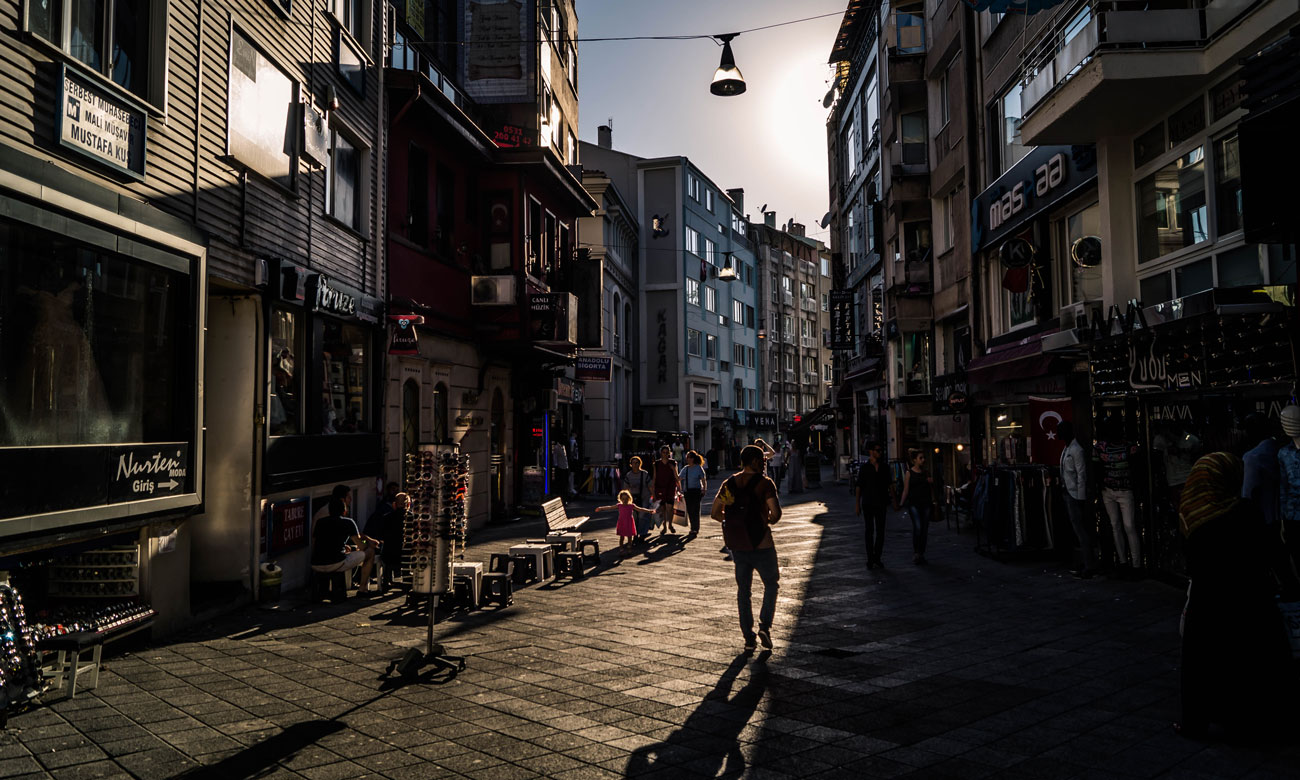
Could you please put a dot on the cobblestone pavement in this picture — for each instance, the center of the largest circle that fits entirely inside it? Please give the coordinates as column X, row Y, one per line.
column 966, row 668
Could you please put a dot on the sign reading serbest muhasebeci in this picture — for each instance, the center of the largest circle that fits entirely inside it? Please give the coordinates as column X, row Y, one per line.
column 101, row 125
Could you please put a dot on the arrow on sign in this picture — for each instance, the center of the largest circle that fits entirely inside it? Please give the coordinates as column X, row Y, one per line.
column 169, row 484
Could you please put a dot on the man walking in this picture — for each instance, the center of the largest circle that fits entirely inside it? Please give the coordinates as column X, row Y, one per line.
column 875, row 493
column 1074, row 478
column 747, row 507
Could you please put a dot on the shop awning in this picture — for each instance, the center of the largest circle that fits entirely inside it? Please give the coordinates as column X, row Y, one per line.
column 1021, row 361
column 869, row 369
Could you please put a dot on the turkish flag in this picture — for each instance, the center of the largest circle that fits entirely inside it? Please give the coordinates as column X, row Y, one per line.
column 1045, row 414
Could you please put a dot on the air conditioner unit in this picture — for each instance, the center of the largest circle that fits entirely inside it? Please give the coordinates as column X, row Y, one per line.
column 493, row 290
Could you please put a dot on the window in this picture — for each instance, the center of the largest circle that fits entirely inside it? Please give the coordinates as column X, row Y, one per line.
column 350, row 62
column 826, row 372
column 753, row 399
column 788, row 362
column 750, row 356
column 738, row 311
column 909, row 20
column 536, row 237
column 692, row 241
column 738, row 394
column 417, row 195
column 787, row 285
column 749, row 316
column 912, row 364
column 710, row 298
column 915, row 141
column 285, row 410
column 1010, row 118
column 627, row 328
column 945, row 86
column 1171, row 205
column 345, row 369
column 810, row 365
column 343, row 180
column 710, row 252
column 618, row 331
column 787, row 327
column 710, row 346
column 708, row 200
column 943, row 223
column 121, row 40
column 826, row 266
column 1194, row 277
column 870, row 111
column 441, row 429
column 97, row 347
column 693, row 342
column 693, row 292
column 738, row 355
column 826, row 303
column 258, row 114
column 1082, row 256
column 692, row 187
column 353, row 16
column 1227, row 184
column 917, row 242
column 850, row 143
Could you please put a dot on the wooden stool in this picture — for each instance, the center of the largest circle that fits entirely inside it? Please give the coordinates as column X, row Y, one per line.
column 69, row 663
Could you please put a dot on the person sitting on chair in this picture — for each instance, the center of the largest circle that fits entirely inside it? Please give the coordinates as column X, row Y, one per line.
column 339, row 547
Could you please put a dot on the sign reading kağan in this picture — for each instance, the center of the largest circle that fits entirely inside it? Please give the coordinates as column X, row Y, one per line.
column 99, row 124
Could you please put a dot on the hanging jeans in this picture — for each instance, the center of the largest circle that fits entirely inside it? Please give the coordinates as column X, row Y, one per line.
column 1080, row 520
column 920, row 526
column 1121, row 508
column 693, row 497
column 765, row 563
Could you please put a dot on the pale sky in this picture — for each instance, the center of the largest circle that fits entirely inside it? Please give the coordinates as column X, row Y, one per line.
column 770, row 140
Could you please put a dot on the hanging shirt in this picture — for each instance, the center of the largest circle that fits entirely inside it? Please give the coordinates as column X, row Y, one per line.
column 1116, row 459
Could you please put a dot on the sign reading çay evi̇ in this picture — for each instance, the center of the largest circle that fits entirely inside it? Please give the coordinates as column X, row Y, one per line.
column 101, row 124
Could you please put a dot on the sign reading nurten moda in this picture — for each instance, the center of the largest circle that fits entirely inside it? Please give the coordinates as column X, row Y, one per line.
column 100, row 124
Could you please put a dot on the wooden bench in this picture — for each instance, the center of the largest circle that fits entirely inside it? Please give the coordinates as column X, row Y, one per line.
column 559, row 523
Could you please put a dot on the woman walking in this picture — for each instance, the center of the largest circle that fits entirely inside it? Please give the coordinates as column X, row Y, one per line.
column 666, row 484
column 637, row 482
column 918, row 498
column 694, row 483
column 1235, row 657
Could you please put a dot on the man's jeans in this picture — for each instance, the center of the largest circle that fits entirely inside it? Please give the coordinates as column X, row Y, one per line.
column 1078, row 511
column 764, row 562
column 874, row 516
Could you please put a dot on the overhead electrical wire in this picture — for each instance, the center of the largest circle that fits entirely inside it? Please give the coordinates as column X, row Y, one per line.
column 713, row 37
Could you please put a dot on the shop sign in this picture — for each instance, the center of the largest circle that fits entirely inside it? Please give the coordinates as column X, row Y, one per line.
column 333, row 298
column 950, row 394
column 286, row 524
column 148, row 471
column 841, row 305
column 593, row 368
column 403, row 339
column 550, row 321
column 1149, row 369
column 762, row 419
column 1045, row 176
column 661, row 318
column 512, row 136
column 564, row 389
column 101, row 125
column 469, row 420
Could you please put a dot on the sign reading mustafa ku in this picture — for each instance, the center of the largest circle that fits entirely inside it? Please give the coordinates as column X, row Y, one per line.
column 101, row 125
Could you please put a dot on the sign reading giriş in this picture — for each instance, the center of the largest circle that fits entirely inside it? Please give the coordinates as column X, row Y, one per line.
column 148, row 471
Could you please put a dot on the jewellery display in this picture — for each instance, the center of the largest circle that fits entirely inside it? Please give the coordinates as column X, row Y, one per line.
column 433, row 535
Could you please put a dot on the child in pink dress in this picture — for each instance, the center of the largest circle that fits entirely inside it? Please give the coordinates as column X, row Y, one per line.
column 626, row 528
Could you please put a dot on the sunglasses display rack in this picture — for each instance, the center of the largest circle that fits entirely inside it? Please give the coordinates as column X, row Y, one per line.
column 112, row 572
column 437, row 480
column 20, row 668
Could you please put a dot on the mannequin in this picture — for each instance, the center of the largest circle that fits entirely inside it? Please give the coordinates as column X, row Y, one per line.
column 1115, row 455
column 1288, row 461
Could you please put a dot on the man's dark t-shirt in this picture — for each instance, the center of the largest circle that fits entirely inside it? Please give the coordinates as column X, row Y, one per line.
column 744, row 526
column 874, row 484
column 332, row 533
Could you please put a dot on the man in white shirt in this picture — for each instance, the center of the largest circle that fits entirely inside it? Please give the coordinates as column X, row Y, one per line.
column 1074, row 480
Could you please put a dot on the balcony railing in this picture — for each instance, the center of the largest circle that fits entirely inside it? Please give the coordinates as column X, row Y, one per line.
column 1086, row 29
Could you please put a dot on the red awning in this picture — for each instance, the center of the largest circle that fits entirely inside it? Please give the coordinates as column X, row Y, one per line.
column 1022, row 361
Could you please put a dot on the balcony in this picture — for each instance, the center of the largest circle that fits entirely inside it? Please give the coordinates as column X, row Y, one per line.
column 917, row 279
column 808, row 342
column 1109, row 66
column 809, row 304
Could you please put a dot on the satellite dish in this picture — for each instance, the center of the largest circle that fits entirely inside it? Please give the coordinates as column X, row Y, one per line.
column 830, row 98
column 826, row 220
column 1086, row 252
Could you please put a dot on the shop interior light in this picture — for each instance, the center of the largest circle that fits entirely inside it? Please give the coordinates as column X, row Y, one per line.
column 1002, row 418
column 961, row 447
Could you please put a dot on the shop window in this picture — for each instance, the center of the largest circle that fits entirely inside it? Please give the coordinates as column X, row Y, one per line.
column 1081, row 253
column 1194, row 277
column 1007, row 427
column 441, row 410
column 912, row 364
column 343, row 194
column 1227, row 184
column 259, row 113
column 286, row 378
column 1171, row 207
column 915, row 141
column 96, row 347
column 118, row 40
column 909, row 21
column 1156, row 289
column 345, row 363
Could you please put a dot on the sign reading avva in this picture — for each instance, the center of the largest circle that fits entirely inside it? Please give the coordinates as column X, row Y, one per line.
column 100, row 124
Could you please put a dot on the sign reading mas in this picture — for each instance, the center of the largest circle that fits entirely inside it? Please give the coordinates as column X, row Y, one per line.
column 1045, row 176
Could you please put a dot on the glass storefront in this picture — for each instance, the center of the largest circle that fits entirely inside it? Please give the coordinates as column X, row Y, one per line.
column 345, row 366
column 95, row 347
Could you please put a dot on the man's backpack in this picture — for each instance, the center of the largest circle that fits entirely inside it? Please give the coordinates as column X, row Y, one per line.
column 747, row 507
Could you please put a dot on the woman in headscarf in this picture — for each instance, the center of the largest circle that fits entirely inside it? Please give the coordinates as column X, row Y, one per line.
column 1235, row 659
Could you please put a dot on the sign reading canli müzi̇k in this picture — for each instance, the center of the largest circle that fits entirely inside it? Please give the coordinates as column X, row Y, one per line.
column 101, row 124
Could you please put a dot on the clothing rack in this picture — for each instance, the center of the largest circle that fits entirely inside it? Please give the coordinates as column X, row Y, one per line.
column 1018, row 510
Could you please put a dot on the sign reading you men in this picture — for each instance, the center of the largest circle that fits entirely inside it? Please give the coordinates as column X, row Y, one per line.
column 99, row 124
column 148, row 471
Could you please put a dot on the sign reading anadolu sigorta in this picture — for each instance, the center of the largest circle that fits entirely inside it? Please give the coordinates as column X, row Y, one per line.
column 101, row 124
